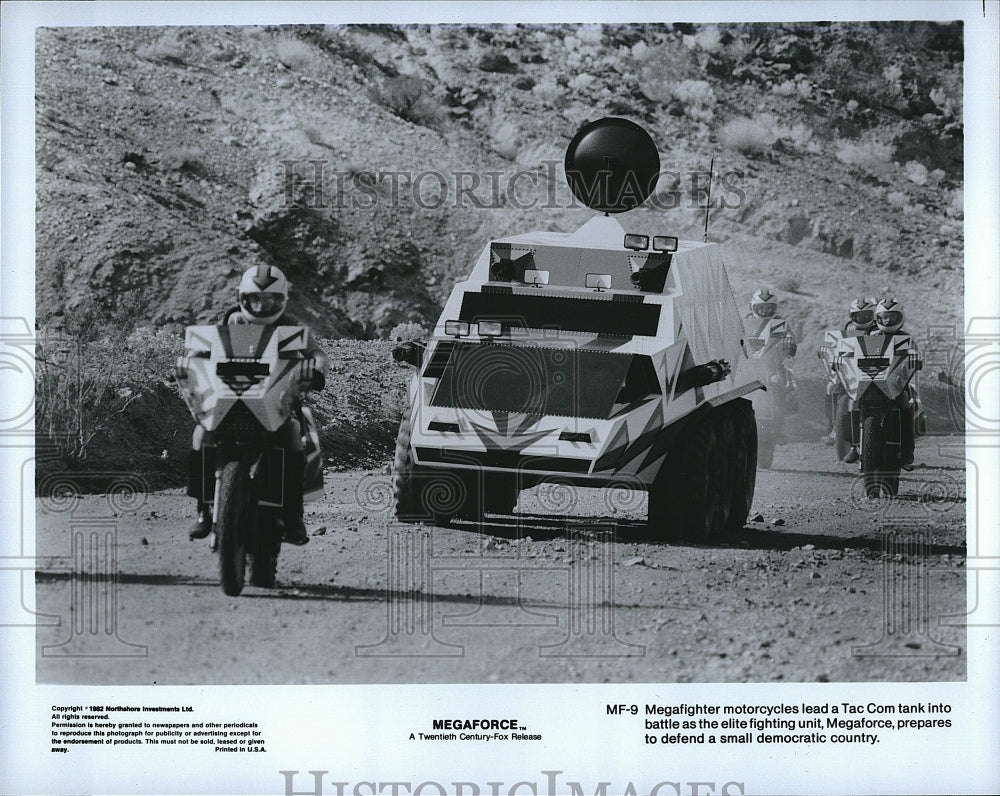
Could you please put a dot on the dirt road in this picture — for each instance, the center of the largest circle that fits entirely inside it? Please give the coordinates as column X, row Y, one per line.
column 812, row 589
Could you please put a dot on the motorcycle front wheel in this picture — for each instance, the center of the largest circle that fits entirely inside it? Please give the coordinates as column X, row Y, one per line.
column 880, row 479
column 231, row 525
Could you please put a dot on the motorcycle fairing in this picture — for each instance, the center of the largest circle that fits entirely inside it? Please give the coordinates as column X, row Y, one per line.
column 255, row 365
column 887, row 361
column 765, row 346
column 765, row 337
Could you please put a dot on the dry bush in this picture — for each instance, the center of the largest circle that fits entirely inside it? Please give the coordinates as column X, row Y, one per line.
column 409, row 97
column 697, row 99
column 661, row 67
column 505, row 138
column 167, row 47
column 408, row 331
column 83, row 386
column 295, row 54
column 956, row 203
column 916, row 172
column 747, row 136
column 870, row 156
column 188, row 158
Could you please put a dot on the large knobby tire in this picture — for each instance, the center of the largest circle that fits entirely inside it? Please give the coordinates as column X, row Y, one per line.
column 685, row 501
column 231, row 526
column 880, row 480
column 404, row 492
column 264, row 555
column 744, row 463
column 422, row 494
column 724, row 467
column 842, row 442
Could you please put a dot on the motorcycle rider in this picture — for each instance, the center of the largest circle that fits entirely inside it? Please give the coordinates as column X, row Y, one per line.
column 889, row 320
column 862, row 315
column 764, row 307
column 262, row 298
column 861, row 321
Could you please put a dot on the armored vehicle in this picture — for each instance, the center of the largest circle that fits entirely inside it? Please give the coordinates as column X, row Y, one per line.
column 608, row 356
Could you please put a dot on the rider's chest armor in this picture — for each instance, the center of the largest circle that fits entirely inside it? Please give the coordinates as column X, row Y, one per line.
column 765, row 333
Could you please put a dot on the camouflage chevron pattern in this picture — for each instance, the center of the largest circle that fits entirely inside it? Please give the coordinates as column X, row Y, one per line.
column 888, row 361
column 583, row 377
column 253, row 366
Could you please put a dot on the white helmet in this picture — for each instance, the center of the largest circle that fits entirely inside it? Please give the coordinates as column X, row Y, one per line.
column 263, row 294
column 889, row 316
column 863, row 313
column 763, row 303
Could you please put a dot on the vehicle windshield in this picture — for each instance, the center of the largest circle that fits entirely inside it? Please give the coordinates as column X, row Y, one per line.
column 539, row 381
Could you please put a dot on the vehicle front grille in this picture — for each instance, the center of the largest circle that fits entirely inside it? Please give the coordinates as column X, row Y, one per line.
column 239, row 423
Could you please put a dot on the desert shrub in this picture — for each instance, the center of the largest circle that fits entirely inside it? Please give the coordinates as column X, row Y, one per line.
column 168, row 48
column 897, row 199
column 956, row 203
column 295, row 54
column 494, row 61
column 548, row 91
column 707, row 39
column 409, row 97
column 407, row 331
column 916, row 172
column 590, row 34
column 784, row 89
column 339, row 40
column 91, row 318
column 505, row 138
column 83, row 386
column 868, row 156
column 696, row 98
column 186, row 158
column 581, row 81
column 747, row 136
column 661, row 68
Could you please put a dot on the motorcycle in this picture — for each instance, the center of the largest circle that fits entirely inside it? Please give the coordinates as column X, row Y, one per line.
column 769, row 345
column 242, row 383
column 873, row 375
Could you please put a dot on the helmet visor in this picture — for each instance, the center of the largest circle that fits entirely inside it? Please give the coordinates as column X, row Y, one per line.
column 863, row 317
column 262, row 305
column 890, row 318
column 765, row 309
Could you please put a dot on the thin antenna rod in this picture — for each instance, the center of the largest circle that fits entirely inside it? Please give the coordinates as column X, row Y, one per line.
column 708, row 206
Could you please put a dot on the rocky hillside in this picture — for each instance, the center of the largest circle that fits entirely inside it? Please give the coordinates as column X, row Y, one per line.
column 374, row 163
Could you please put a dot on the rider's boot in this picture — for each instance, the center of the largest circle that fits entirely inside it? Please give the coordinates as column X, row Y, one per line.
column 203, row 525
column 295, row 529
column 852, row 455
column 906, row 439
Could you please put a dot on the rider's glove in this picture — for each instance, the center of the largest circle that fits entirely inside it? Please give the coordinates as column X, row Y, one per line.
column 318, row 380
column 312, row 376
